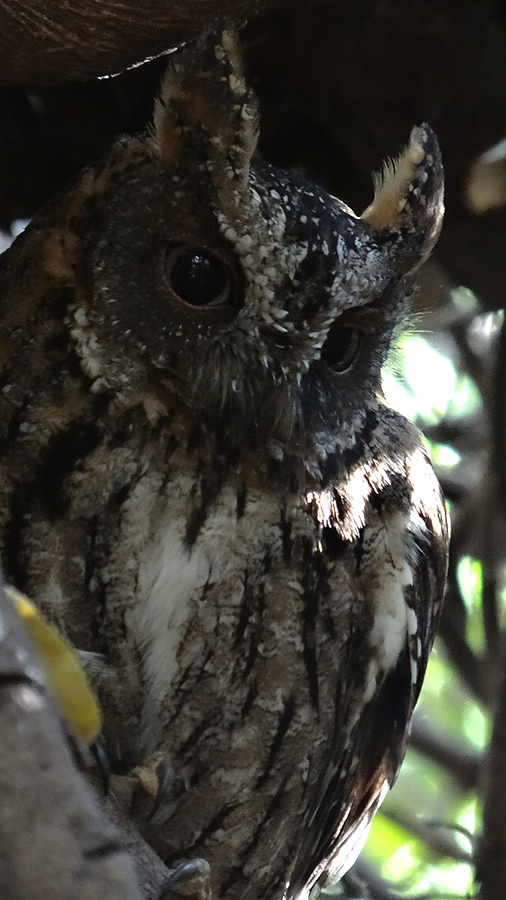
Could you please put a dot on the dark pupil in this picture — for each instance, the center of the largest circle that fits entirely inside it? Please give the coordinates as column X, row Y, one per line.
column 340, row 347
column 197, row 277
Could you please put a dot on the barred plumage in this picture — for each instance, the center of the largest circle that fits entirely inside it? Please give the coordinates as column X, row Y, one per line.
column 203, row 486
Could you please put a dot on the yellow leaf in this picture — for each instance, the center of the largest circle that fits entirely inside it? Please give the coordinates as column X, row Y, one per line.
column 65, row 675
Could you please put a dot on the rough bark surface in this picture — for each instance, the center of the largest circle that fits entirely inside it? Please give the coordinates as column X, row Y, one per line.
column 56, row 843
column 43, row 41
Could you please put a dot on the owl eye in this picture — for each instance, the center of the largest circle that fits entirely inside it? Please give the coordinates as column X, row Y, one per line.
column 197, row 276
column 340, row 348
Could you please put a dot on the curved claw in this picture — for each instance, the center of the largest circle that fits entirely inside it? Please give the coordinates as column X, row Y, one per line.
column 102, row 762
column 190, row 880
column 155, row 788
column 166, row 776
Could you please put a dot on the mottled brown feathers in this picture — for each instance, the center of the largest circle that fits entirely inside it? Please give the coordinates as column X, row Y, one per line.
column 201, row 483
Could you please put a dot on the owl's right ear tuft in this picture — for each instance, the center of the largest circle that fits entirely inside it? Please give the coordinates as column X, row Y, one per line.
column 407, row 211
column 205, row 112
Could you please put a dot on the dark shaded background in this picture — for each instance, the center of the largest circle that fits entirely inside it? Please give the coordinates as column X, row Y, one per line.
column 341, row 84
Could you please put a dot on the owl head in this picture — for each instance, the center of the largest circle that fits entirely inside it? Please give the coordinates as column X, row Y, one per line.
column 260, row 301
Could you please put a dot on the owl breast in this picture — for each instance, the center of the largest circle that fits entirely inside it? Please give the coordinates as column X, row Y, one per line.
column 248, row 626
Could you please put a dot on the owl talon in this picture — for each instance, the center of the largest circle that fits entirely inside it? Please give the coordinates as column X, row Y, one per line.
column 191, row 880
column 166, row 776
column 153, row 788
column 101, row 757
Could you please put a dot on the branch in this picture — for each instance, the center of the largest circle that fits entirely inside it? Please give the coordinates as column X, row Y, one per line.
column 491, row 853
column 46, row 41
column 56, row 843
column 462, row 765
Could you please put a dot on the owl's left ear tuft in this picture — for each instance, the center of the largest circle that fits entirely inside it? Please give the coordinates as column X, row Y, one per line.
column 407, row 210
column 205, row 110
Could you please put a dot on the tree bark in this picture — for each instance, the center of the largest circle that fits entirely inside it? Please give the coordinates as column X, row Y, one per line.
column 46, row 41
column 55, row 841
column 491, row 852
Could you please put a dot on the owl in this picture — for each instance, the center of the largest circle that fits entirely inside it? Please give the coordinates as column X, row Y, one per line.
column 203, row 486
